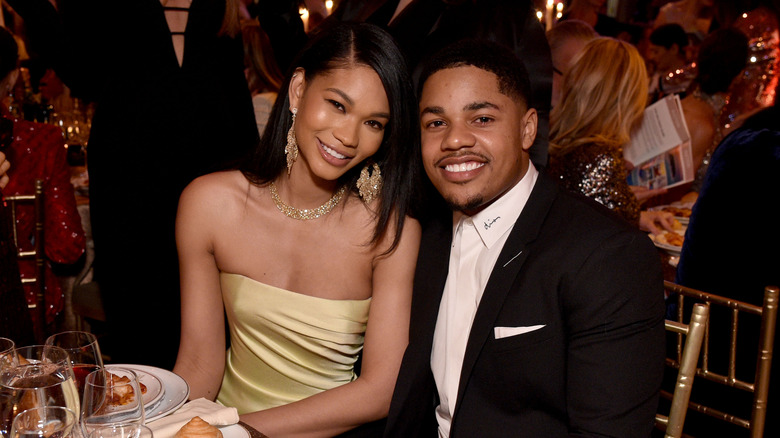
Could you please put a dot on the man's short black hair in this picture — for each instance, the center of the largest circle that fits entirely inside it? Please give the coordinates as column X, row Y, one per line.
column 669, row 34
column 487, row 55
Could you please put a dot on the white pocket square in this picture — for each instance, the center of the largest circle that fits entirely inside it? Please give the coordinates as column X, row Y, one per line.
column 505, row 332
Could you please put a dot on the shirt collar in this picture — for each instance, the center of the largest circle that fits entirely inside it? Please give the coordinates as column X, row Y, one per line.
column 500, row 216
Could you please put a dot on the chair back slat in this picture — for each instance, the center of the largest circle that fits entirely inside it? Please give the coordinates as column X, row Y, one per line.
column 38, row 252
column 763, row 367
column 694, row 335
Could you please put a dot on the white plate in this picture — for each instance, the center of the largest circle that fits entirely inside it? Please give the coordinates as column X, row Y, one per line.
column 671, row 249
column 681, row 219
column 175, row 391
column 234, row 431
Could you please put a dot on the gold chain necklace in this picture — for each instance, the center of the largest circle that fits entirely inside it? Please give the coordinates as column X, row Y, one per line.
column 305, row 214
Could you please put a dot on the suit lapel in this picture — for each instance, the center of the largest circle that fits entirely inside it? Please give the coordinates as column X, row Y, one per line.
column 430, row 277
column 512, row 257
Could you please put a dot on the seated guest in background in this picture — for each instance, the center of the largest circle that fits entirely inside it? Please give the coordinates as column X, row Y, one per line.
column 566, row 39
column 756, row 86
column 262, row 73
column 722, row 254
column 590, row 11
column 665, row 54
column 722, row 56
column 38, row 152
column 535, row 311
column 601, row 102
column 308, row 248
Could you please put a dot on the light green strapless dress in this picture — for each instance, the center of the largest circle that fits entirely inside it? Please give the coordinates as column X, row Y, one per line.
column 286, row 346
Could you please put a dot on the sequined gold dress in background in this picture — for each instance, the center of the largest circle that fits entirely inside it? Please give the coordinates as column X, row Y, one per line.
column 756, row 86
column 286, row 346
column 597, row 171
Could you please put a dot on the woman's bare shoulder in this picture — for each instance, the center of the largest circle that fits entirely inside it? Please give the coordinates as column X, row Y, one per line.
column 216, row 190
column 222, row 183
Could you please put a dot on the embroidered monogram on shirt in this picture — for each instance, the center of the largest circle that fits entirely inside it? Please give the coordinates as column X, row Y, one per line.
column 490, row 223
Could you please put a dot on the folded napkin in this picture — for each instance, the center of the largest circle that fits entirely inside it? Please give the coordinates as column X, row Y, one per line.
column 212, row 413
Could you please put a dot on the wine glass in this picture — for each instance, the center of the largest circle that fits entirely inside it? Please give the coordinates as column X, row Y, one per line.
column 84, row 353
column 123, row 431
column 7, row 347
column 44, row 422
column 112, row 397
column 42, row 377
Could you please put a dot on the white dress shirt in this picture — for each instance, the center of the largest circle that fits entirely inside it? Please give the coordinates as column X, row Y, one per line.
column 476, row 244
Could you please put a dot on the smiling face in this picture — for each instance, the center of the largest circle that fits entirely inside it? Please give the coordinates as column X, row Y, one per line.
column 341, row 119
column 475, row 139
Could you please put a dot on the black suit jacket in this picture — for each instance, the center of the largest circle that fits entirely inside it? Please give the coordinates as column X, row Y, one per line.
column 594, row 369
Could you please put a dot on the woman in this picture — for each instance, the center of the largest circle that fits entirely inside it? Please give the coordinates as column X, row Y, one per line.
column 304, row 247
column 601, row 102
column 722, row 56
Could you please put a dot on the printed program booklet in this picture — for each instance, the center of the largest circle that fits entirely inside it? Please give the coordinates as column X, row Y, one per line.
column 660, row 149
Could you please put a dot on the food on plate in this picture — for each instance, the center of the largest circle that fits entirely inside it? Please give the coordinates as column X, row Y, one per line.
column 198, row 428
column 678, row 211
column 120, row 392
column 668, row 238
column 676, row 225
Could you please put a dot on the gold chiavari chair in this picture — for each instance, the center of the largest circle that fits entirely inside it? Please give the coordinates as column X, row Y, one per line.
column 686, row 362
column 759, row 386
column 37, row 254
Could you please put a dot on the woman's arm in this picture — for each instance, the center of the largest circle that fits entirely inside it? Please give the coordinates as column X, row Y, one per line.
column 201, row 359
column 368, row 397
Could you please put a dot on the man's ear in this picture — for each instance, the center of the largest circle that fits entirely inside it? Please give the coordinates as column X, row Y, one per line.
column 296, row 87
column 529, row 125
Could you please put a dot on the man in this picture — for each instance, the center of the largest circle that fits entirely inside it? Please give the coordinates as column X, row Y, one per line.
column 567, row 39
column 667, row 54
column 536, row 313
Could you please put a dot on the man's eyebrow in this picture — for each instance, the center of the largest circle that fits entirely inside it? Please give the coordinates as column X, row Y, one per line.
column 436, row 110
column 479, row 105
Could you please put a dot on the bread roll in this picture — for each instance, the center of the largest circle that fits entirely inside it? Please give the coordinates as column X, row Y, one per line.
column 197, row 428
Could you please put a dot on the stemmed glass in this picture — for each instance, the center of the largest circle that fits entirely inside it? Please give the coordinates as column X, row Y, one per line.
column 123, row 431
column 112, row 397
column 42, row 376
column 44, row 422
column 6, row 347
column 84, row 353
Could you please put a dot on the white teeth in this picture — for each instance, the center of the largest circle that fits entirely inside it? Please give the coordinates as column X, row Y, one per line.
column 463, row 167
column 333, row 153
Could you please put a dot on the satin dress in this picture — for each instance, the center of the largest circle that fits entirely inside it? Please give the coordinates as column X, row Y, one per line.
column 286, row 346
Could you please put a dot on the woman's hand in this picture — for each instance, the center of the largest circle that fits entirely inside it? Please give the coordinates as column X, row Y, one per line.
column 4, row 166
column 651, row 221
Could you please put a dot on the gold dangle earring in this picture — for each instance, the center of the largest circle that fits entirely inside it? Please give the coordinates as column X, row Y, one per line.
column 291, row 148
column 369, row 186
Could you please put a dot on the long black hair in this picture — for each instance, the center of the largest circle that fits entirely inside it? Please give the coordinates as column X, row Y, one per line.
column 341, row 45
